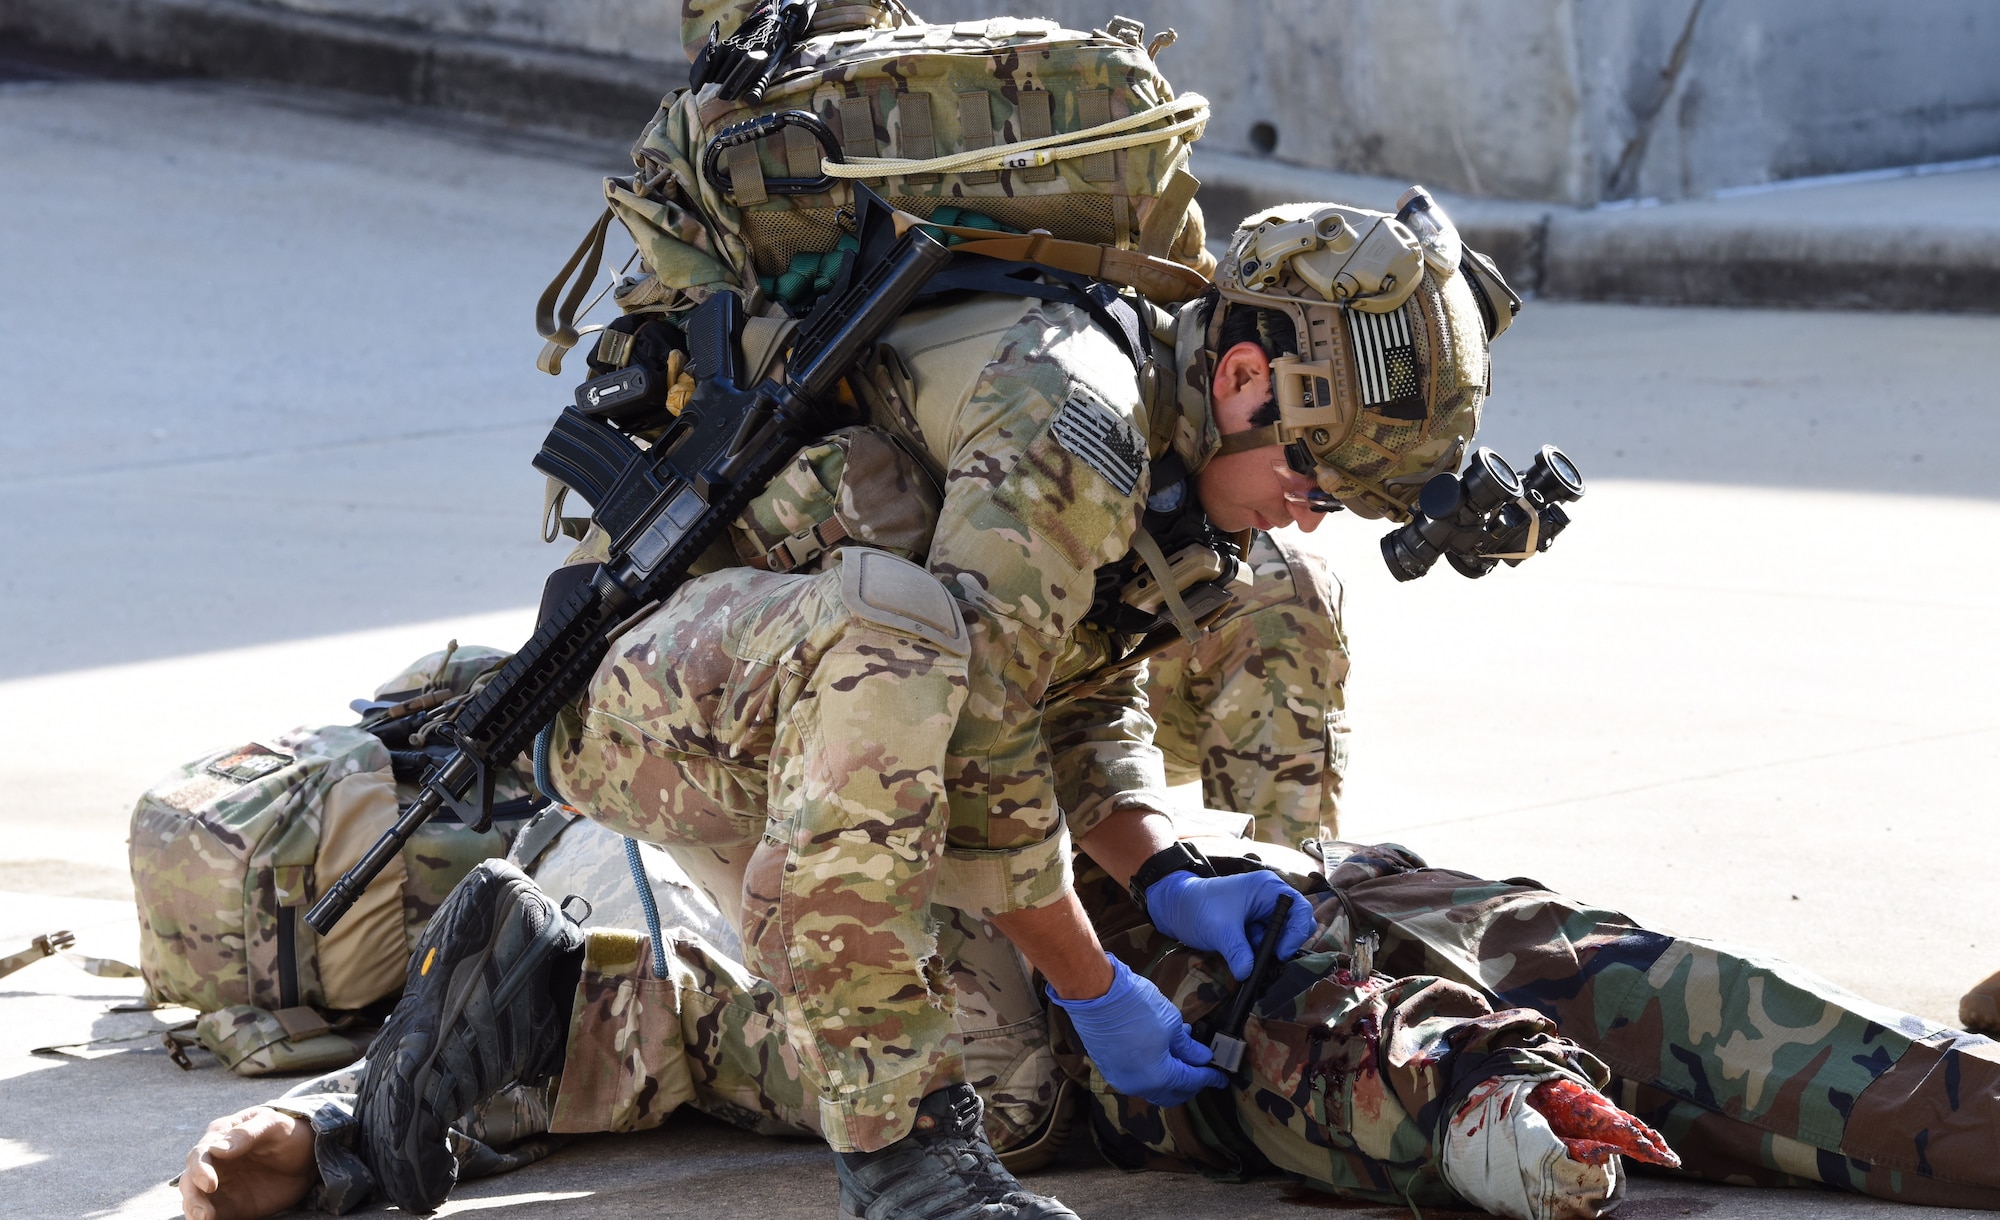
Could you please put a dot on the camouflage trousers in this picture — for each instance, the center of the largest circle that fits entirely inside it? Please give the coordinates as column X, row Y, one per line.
column 715, row 1036
column 763, row 719
column 1257, row 711
column 1755, row 1071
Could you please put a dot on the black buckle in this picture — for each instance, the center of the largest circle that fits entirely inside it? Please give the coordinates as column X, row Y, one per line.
column 1179, row 858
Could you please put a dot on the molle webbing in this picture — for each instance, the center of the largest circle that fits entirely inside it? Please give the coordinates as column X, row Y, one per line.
column 1073, row 133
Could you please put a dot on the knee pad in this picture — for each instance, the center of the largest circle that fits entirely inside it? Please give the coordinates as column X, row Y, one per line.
column 897, row 595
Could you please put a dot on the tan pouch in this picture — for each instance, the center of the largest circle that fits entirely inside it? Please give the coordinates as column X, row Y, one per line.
column 855, row 485
column 257, row 1042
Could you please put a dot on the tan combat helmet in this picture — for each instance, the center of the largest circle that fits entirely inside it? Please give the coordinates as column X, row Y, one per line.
column 1391, row 317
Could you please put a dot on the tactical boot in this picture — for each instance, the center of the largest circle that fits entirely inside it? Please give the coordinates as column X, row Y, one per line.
column 944, row 1170
column 481, row 1010
column 1979, row 1011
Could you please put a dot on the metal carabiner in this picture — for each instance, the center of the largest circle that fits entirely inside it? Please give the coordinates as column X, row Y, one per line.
column 756, row 129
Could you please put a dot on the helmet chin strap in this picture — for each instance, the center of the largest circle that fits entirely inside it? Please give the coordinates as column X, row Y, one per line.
column 1255, row 438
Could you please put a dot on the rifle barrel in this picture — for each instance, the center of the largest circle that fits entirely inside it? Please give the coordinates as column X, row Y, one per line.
column 556, row 662
column 346, row 891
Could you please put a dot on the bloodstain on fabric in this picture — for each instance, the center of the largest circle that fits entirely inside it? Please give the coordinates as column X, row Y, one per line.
column 1592, row 1128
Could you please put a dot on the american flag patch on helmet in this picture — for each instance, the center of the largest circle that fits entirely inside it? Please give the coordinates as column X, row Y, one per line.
column 1106, row 443
column 1386, row 361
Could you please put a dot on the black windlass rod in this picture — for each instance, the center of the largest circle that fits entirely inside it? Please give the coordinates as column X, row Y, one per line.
column 1228, row 1044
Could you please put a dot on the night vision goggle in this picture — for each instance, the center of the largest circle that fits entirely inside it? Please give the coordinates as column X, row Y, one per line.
column 1486, row 515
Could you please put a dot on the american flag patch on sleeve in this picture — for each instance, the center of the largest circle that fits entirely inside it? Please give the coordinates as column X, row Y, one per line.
column 1106, row 443
column 1385, row 360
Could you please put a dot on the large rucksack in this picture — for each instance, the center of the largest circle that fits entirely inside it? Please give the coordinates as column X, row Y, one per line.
column 230, row 850
column 1015, row 137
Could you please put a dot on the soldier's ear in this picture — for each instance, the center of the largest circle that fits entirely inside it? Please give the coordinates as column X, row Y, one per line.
column 1242, row 384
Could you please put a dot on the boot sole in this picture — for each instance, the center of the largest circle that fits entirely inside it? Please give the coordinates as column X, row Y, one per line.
column 459, row 989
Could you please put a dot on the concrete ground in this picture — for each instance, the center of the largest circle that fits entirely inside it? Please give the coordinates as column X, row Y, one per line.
column 268, row 397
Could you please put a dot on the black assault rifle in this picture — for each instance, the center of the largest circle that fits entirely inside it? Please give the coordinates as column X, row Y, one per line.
column 661, row 508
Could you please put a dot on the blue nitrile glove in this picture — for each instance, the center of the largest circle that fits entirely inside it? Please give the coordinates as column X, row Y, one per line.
column 1139, row 1043
column 1227, row 915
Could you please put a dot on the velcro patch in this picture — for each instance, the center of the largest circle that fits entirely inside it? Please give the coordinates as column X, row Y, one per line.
column 1386, row 360
column 1106, row 443
column 252, row 762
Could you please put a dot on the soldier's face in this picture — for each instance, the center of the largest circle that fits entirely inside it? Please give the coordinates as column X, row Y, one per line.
column 1253, row 489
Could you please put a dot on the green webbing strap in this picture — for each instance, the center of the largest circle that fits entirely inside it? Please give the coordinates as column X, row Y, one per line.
column 1156, row 563
column 559, row 327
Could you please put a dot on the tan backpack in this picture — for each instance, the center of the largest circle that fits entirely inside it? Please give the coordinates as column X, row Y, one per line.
column 229, row 851
column 1017, row 138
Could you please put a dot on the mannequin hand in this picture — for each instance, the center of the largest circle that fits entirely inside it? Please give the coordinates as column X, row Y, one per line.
column 1227, row 915
column 1139, row 1042
column 254, row 1163
column 1593, row 1128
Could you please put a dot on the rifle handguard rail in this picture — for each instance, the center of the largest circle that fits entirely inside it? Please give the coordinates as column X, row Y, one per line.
column 750, row 436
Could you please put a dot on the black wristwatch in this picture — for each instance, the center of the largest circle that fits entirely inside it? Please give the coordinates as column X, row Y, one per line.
column 1180, row 858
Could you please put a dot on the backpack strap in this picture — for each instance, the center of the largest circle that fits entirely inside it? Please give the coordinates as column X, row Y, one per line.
column 57, row 944
column 1169, row 214
column 1154, row 278
column 1030, row 279
column 557, row 323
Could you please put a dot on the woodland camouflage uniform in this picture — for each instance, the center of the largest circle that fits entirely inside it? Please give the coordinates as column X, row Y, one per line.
column 1756, row 1072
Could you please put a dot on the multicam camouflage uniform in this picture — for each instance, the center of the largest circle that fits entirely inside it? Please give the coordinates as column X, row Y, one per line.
column 1257, row 711
column 872, row 734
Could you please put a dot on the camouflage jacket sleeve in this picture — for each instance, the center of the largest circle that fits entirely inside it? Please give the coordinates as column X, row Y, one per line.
column 1102, row 742
column 503, row 1134
column 327, row 1102
column 1033, row 414
column 1348, row 1078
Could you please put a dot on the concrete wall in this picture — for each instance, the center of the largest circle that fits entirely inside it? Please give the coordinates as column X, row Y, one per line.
column 637, row 29
column 1366, row 86
column 1570, row 100
column 1773, row 89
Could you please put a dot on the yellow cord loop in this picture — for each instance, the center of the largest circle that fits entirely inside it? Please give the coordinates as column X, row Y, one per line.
column 1043, row 150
